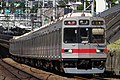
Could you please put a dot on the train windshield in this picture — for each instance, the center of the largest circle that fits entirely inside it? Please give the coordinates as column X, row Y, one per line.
column 98, row 35
column 84, row 35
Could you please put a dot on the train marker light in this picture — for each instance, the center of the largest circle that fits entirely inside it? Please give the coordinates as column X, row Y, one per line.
column 97, row 50
column 97, row 22
column 70, row 22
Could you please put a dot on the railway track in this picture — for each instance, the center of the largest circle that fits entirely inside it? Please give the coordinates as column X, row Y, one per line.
column 9, row 72
column 25, row 72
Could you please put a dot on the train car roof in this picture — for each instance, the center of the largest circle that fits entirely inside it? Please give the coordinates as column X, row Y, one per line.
column 61, row 18
column 79, row 14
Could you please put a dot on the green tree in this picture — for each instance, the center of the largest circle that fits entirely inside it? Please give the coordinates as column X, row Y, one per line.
column 62, row 3
column 80, row 7
column 35, row 8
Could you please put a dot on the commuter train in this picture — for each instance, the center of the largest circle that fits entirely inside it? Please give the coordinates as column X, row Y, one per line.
column 75, row 44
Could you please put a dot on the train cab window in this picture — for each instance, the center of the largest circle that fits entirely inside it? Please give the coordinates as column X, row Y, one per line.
column 98, row 35
column 84, row 35
column 76, row 35
column 70, row 35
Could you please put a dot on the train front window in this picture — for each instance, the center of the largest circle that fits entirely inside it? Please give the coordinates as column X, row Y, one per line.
column 70, row 35
column 98, row 35
column 84, row 35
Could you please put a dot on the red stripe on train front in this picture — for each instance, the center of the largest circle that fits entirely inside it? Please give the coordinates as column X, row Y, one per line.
column 62, row 51
column 84, row 50
column 81, row 50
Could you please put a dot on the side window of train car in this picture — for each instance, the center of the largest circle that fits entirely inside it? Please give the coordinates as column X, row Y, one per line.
column 60, row 36
column 41, row 43
column 50, row 39
column 56, row 38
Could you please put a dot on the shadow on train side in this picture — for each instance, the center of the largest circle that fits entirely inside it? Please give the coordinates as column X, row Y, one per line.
column 4, row 52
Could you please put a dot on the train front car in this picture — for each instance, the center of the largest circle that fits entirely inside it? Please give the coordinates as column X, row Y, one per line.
column 83, row 45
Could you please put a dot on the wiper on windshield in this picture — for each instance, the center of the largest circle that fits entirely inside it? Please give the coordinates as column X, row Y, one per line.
column 95, row 40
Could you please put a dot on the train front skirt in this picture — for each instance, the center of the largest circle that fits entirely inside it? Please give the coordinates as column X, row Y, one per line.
column 79, row 71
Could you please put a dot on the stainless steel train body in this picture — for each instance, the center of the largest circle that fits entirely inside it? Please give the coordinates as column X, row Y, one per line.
column 75, row 45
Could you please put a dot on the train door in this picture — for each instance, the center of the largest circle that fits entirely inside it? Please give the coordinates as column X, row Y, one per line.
column 84, row 48
column 84, row 42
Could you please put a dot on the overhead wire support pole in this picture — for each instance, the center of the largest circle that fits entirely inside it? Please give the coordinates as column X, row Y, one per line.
column 26, row 12
column 84, row 5
column 39, row 13
column 92, row 7
column 54, row 9
column 7, row 4
column 42, row 17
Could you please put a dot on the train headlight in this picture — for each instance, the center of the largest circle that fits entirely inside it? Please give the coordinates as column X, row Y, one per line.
column 100, row 50
column 97, row 50
column 70, row 50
